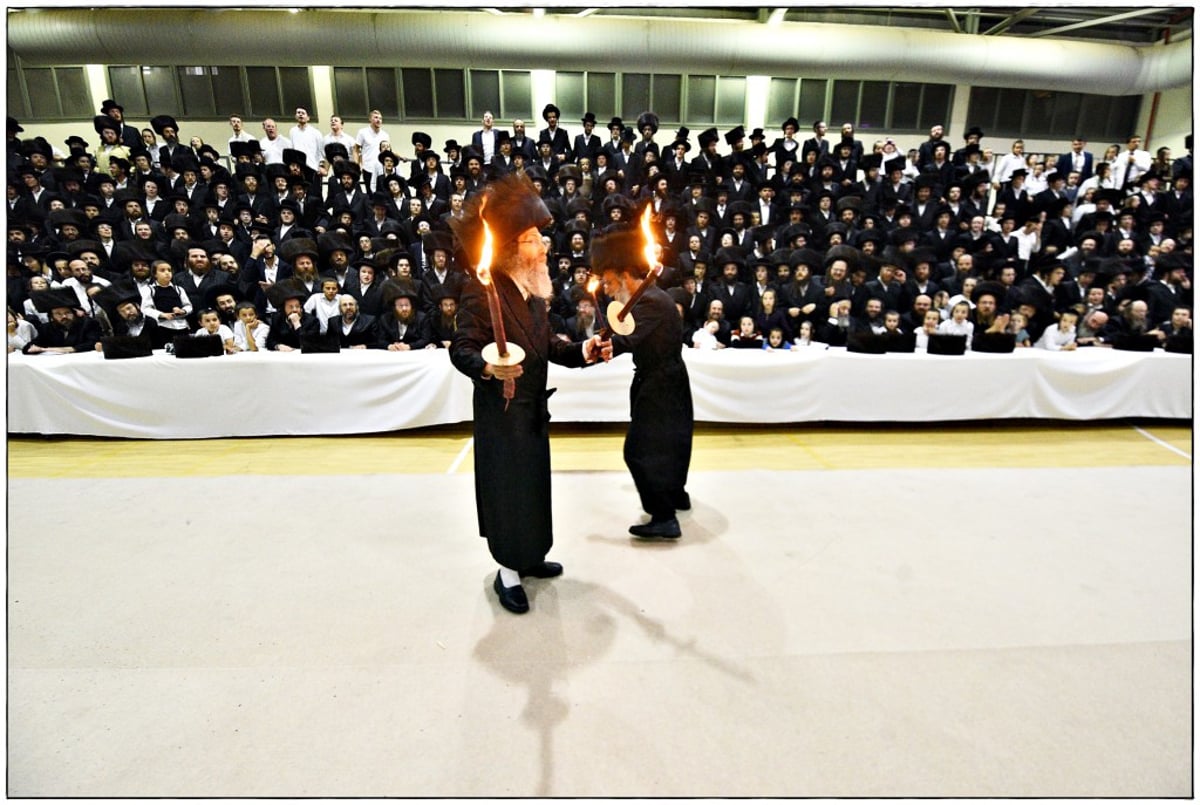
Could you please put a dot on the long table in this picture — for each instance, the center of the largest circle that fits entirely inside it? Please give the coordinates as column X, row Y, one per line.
column 265, row 394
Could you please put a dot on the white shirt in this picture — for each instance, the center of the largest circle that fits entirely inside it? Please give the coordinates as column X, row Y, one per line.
column 951, row 327
column 1127, row 172
column 1027, row 242
column 368, row 140
column 488, row 138
column 324, row 309
column 343, row 138
column 260, row 331
column 310, row 141
column 222, row 330
column 273, row 149
column 1055, row 339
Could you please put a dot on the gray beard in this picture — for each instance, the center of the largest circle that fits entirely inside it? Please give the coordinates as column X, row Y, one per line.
column 533, row 279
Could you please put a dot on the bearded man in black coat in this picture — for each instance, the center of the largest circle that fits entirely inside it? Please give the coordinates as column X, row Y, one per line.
column 512, row 443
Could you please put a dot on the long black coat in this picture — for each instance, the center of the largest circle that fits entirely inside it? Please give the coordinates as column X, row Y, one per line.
column 658, row 444
column 512, row 447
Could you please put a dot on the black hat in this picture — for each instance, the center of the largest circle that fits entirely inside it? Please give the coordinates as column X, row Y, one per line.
column 292, row 248
column 896, row 163
column 628, row 136
column 871, row 161
column 1173, row 261
column 791, row 121
column 1018, row 172
column 588, row 117
column 615, row 123
column 161, row 122
column 75, row 142
column 618, row 250
column 735, row 135
column 329, row 242
column 707, row 137
column 437, row 240
column 332, row 151
column 973, row 131
column 734, row 255
column 46, row 301
column 511, row 205
column 548, row 109
column 758, row 134
column 296, row 156
column 394, row 289
column 184, row 161
column 102, row 122
column 422, row 139
column 346, row 166
column 210, row 296
column 452, row 145
column 290, row 288
column 929, row 180
column 568, row 172
column 648, row 120
column 681, row 138
column 13, row 126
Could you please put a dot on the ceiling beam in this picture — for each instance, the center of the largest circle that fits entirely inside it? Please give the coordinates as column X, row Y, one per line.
column 1098, row 21
column 953, row 20
column 1010, row 21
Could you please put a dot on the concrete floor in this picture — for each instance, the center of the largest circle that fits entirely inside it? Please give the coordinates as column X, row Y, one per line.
column 858, row 633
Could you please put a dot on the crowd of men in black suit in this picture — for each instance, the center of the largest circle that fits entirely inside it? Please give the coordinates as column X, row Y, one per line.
column 818, row 221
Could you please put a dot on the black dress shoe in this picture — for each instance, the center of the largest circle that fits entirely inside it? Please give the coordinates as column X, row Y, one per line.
column 682, row 501
column 543, row 570
column 511, row 598
column 656, row 529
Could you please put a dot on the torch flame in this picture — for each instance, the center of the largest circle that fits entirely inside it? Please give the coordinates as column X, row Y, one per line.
column 593, row 285
column 483, row 271
column 648, row 251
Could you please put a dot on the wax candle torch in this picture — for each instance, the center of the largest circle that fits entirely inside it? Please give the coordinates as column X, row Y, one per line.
column 483, row 272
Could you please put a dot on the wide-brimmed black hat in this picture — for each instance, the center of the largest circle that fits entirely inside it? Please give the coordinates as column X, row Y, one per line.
column 647, row 119
column 161, row 122
column 46, row 301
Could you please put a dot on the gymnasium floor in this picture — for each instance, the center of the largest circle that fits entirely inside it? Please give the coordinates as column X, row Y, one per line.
column 992, row 609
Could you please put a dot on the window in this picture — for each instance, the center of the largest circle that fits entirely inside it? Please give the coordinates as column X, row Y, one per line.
column 813, row 93
column 667, row 93
column 731, row 101
column 201, row 91
column 601, row 98
column 516, row 94
column 1053, row 115
column 418, row 92
column 635, row 95
column 350, row 92
column 450, row 95
column 48, row 93
column 701, row 99
column 781, row 100
column 569, row 95
column 485, row 93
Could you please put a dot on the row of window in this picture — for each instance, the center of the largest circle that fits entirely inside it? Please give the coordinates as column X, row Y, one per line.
column 421, row 93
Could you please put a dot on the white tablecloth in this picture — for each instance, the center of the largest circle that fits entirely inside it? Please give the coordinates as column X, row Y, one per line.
column 262, row 394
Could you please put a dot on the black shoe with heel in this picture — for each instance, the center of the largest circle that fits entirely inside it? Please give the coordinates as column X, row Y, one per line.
column 511, row 598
